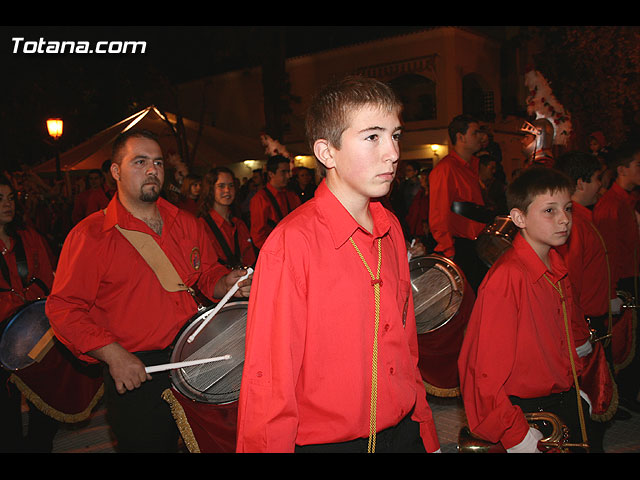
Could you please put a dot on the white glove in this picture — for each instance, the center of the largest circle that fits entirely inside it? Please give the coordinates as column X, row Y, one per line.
column 584, row 350
column 616, row 305
column 529, row 444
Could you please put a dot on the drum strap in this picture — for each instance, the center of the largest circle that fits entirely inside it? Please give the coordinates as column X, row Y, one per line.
column 376, row 283
column 232, row 257
column 22, row 266
column 276, row 206
column 166, row 273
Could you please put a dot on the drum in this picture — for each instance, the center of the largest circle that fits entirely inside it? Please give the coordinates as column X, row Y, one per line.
column 203, row 398
column 216, row 382
column 495, row 239
column 25, row 337
column 443, row 300
column 46, row 372
column 438, row 288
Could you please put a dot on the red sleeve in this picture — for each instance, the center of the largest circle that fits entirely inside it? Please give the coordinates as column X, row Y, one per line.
column 486, row 360
column 441, row 189
column 74, row 292
column 267, row 409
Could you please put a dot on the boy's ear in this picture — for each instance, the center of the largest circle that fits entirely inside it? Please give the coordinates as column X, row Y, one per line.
column 324, row 153
column 580, row 185
column 518, row 217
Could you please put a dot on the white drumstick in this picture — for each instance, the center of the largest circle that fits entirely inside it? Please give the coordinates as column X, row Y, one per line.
column 189, row 363
column 217, row 308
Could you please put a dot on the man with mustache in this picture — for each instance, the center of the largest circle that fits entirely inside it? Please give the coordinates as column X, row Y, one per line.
column 108, row 306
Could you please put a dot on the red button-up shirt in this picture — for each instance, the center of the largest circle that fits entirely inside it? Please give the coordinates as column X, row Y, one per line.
column 263, row 212
column 14, row 294
column 586, row 259
column 516, row 343
column 453, row 180
column 105, row 292
column 228, row 229
column 307, row 371
column 614, row 215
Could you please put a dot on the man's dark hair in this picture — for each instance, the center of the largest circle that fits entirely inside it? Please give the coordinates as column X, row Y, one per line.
column 122, row 139
column 460, row 124
column 274, row 161
column 578, row 165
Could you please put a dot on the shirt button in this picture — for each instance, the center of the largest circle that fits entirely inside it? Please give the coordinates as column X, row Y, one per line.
column 258, row 374
column 391, row 370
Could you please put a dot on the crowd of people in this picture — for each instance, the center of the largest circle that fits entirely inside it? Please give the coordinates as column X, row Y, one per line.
column 331, row 346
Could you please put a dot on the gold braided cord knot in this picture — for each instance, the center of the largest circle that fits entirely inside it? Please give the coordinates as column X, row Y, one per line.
column 376, row 282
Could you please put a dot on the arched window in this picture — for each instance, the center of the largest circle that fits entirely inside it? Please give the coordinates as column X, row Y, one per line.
column 477, row 99
column 418, row 94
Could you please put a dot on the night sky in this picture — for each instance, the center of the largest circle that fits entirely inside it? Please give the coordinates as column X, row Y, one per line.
column 92, row 91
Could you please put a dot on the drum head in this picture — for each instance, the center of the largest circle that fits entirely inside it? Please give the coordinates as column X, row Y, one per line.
column 22, row 333
column 216, row 382
column 438, row 288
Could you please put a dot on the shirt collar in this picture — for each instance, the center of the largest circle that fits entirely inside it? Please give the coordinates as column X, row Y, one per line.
column 534, row 265
column 219, row 219
column 622, row 193
column 340, row 222
column 115, row 213
column 472, row 164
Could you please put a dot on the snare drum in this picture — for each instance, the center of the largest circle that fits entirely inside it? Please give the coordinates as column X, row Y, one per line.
column 495, row 239
column 438, row 288
column 203, row 398
column 443, row 300
column 46, row 372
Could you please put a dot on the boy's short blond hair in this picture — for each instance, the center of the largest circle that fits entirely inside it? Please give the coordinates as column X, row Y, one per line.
column 533, row 182
column 330, row 111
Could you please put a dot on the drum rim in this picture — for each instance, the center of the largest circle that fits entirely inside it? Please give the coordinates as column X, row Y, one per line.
column 13, row 318
column 180, row 384
column 451, row 264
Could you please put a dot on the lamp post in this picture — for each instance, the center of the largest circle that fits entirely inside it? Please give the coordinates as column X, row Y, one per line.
column 54, row 127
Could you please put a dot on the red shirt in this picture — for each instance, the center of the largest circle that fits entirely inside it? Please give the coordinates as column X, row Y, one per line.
column 453, row 180
column 615, row 218
column 515, row 343
column 105, row 292
column 586, row 259
column 229, row 230
column 38, row 266
column 264, row 215
column 307, row 370
column 87, row 202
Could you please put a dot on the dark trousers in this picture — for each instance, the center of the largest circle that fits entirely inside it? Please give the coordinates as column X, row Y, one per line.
column 565, row 406
column 469, row 262
column 628, row 379
column 401, row 438
column 140, row 419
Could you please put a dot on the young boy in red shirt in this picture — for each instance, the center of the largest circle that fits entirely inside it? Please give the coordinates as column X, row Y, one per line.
column 331, row 347
column 518, row 354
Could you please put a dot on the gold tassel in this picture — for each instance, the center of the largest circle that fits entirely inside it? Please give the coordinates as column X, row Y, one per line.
column 47, row 409
column 181, row 421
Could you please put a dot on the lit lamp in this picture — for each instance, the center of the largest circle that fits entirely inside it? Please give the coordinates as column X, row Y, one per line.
column 54, row 127
column 434, row 148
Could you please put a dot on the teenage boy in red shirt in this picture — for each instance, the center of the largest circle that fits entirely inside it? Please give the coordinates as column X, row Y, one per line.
column 518, row 354
column 330, row 279
column 615, row 216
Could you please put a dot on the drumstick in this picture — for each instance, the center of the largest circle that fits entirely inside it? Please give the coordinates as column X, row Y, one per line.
column 189, row 363
column 224, row 300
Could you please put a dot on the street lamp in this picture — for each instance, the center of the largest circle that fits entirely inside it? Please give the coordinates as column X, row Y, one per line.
column 54, row 127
